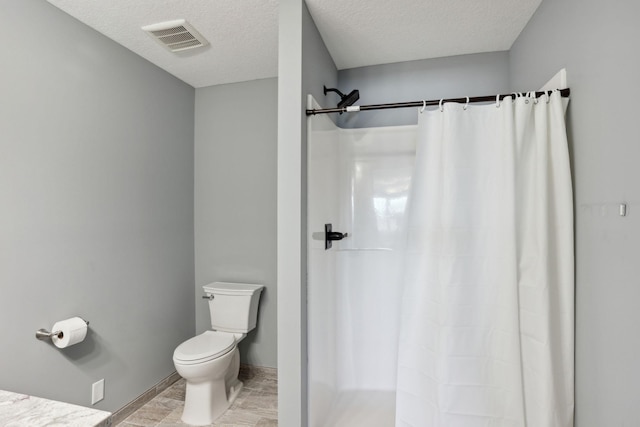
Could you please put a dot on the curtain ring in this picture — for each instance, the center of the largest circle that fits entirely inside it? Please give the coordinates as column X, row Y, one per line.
column 547, row 95
column 440, row 105
column 466, row 105
column 498, row 101
column 424, row 105
column 535, row 98
column 527, row 97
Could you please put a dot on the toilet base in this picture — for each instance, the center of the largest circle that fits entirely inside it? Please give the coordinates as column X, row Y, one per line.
column 198, row 414
column 207, row 399
column 234, row 390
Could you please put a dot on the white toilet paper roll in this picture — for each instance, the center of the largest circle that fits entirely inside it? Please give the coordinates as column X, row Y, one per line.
column 73, row 330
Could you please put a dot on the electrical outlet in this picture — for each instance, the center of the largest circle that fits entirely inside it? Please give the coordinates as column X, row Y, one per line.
column 97, row 391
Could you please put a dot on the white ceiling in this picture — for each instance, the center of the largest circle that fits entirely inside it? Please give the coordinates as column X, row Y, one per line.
column 359, row 33
column 243, row 35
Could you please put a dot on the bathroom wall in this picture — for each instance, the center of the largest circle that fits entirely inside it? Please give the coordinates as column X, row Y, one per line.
column 304, row 65
column 235, row 202
column 96, row 188
column 451, row 77
column 318, row 68
column 597, row 42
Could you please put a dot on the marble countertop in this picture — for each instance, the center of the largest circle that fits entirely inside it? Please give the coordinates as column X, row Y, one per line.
column 21, row 410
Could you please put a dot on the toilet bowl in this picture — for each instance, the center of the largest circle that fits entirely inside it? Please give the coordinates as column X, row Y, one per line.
column 210, row 362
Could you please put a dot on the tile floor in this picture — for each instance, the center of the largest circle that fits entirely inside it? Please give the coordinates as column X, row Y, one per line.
column 255, row 406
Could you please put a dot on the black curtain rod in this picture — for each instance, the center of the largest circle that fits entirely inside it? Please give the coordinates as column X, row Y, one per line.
column 563, row 92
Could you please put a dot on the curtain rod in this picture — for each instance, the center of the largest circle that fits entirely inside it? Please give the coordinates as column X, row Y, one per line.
column 563, row 92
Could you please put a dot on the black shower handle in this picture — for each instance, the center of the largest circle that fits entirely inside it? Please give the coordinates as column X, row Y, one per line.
column 330, row 236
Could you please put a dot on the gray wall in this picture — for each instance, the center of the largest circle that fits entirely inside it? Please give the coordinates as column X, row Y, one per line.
column 598, row 44
column 451, row 77
column 291, row 305
column 235, row 202
column 318, row 69
column 304, row 65
column 96, row 184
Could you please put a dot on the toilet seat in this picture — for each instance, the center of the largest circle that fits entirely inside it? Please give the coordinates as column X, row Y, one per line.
column 204, row 347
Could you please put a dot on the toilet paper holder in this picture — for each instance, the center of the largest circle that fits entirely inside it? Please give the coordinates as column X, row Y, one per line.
column 43, row 334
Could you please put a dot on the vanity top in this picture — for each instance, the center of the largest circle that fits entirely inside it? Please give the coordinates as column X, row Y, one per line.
column 21, row 410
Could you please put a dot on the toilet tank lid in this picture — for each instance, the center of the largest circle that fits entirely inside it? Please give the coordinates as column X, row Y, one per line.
column 227, row 288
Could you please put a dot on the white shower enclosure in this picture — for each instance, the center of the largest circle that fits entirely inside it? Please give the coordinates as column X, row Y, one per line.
column 451, row 300
column 358, row 181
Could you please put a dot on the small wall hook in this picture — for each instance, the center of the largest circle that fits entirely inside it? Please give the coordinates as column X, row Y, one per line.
column 623, row 209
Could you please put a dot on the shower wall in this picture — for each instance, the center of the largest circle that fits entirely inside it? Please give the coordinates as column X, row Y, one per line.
column 375, row 167
column 321, row 289
column 358, row 181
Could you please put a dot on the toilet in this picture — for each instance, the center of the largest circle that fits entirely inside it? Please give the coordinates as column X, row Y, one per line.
column 210, row 362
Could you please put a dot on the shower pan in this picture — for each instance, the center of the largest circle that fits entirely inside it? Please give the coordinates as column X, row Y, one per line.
column 358, row 181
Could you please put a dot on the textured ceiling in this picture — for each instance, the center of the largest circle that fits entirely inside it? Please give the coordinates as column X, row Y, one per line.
column 243, row 34
column 359, row 33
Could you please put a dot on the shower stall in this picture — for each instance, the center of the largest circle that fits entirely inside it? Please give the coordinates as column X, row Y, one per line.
column 358, row 181
column 446, row 295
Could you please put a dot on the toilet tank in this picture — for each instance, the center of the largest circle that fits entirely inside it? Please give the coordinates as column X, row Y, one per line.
column 234, row 306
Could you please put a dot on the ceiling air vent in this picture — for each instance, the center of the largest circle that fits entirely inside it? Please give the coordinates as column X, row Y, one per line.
column 176, row 35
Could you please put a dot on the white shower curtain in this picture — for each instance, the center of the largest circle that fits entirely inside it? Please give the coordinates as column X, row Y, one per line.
column 487, row 329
